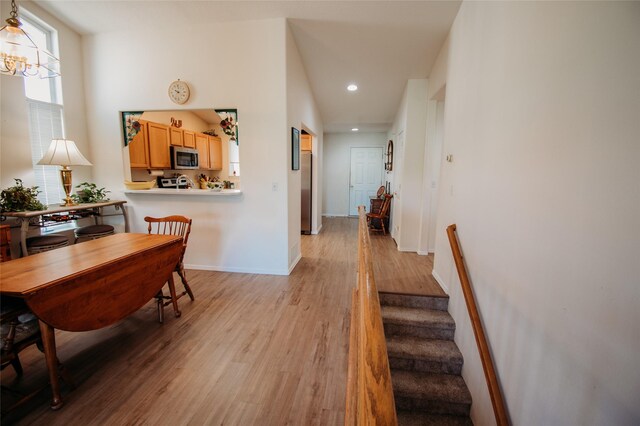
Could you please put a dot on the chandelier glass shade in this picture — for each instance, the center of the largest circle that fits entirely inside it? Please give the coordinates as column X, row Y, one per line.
column 20, row 56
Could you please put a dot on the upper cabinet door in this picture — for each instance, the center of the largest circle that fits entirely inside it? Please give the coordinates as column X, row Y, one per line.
column 202, row 145
column 139, row 148
column 176, row 136
column 215, row 153
column 159, row 157
column 189, row 138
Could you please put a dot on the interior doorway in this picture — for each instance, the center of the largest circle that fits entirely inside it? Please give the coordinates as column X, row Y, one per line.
column 306, row 182
column 365, row 177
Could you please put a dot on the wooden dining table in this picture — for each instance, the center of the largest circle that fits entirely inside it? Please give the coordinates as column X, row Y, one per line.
column 90, row 285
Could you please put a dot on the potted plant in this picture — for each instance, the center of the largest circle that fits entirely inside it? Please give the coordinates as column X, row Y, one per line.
column 19, row 198
column 89, row 193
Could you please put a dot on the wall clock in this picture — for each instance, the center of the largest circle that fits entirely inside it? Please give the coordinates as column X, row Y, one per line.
column 179, row 92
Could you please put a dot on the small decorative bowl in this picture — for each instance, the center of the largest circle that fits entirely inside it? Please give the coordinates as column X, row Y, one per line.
column 140, row 185
column 215, row 186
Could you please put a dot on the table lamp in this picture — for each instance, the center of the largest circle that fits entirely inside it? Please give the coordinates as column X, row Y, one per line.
column 64, row 153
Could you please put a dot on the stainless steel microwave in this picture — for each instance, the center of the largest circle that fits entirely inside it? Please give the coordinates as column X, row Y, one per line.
column 184, row 158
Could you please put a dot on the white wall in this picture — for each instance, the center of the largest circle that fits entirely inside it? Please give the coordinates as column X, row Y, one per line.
column 15, row 148
column 542, row 109
column 131, row 70
column 435, row 159
column 337, row 167
column 410, row 130
column 301, row 112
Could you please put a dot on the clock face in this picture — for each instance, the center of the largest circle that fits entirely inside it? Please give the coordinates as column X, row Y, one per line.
column 179, row 92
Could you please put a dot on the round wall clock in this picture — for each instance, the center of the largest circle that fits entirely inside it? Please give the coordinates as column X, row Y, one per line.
column 179, row 92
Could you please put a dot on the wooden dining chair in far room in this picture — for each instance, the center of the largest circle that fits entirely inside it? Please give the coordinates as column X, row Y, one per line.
column 380, row 216
column 172, row 225
column 375, row 204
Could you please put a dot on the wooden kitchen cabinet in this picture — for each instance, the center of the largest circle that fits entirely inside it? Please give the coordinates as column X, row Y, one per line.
column 189, row 138
column 202, row 145
column 176, row 136
column 139, row 148
column 159, row 139
column 215, row 153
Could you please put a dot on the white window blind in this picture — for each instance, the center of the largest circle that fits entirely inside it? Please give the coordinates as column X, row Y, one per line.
column 45, row 123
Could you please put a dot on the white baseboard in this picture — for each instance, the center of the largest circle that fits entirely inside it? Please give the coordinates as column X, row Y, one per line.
column 239, row 270
column 294, row 263
column 408, row 249
column 424, row 253
column 334, row 215
column 440, row 281
column 317, row 231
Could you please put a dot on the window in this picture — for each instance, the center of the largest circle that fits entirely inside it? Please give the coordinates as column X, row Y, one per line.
column 234, row 158
column 45, row 113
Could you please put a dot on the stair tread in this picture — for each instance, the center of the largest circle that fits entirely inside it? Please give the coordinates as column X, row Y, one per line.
column 435, row 387
column 410, row 347
column 417, row 317
column 416, row 418
column 414, row 301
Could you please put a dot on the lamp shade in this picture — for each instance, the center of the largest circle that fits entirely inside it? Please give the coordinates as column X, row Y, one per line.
column 63, row 152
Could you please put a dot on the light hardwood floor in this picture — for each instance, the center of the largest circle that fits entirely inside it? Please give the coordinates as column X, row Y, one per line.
column 251, row 350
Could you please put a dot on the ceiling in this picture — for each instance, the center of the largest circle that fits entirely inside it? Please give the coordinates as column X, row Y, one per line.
column 377, row 45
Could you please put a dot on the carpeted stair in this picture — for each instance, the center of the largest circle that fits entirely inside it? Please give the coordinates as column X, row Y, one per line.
column 425, row 362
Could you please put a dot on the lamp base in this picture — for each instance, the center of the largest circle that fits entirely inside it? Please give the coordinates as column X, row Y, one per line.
column 65, row 177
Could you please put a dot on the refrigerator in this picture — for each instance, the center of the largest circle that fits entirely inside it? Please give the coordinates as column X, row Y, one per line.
column 305, row 175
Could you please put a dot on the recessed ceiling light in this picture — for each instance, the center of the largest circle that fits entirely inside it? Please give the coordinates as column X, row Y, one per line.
column 355, row 129
column 352, row 87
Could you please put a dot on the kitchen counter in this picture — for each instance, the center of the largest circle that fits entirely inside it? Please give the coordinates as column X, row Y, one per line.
column 188, row 192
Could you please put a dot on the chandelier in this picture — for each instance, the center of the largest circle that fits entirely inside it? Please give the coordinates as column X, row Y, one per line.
column 19, row 55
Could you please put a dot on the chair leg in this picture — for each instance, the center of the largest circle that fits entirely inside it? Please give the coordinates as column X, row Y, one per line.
column 160, row 303
column 181, row 273
column 174, row 298
column 17, row 366
column 66, row 376
column 384, row 231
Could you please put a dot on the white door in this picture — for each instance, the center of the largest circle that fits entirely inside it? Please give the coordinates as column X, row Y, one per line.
column 366, row 177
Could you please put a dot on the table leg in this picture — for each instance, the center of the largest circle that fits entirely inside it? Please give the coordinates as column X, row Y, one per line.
column 49, row 343
column 24, row 228
column 126, row 218
column 174, row 298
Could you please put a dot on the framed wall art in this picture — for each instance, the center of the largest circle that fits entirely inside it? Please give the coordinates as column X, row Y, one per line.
column 130, row 125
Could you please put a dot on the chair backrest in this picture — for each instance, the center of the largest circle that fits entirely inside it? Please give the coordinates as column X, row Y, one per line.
column 170, row 225
column 385, row 205
column 380, row 192
column 5, row 243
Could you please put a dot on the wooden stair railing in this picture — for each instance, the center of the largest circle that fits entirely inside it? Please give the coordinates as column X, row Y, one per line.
column 495, row 393
column 369, row 390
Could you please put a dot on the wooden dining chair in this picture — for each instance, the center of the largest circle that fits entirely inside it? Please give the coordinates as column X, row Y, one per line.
column 381, row 215
column 172, row 225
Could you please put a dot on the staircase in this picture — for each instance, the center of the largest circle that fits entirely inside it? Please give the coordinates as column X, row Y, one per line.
column 425, row 362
